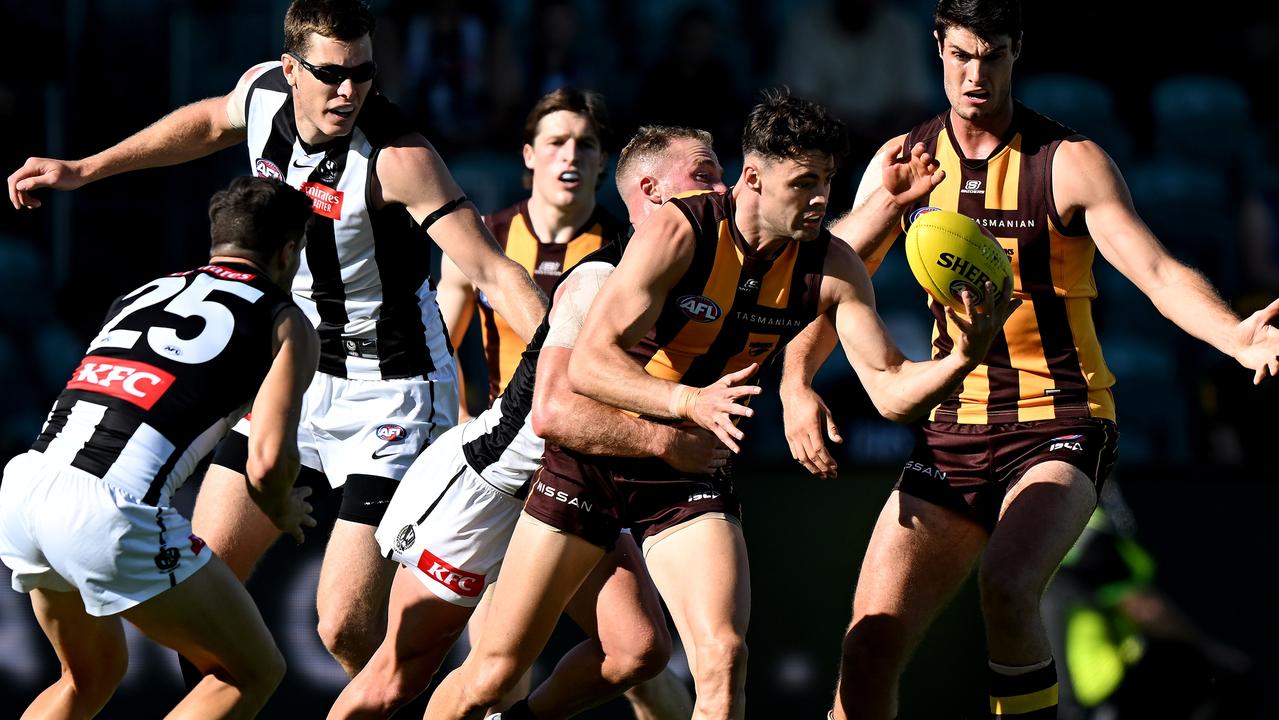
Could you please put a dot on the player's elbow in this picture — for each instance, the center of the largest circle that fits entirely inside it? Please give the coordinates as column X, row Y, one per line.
column 545, row 417
column 269, row 464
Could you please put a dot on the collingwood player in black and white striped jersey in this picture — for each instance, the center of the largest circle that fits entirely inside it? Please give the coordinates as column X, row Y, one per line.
column 380, row 194
column 85, row 520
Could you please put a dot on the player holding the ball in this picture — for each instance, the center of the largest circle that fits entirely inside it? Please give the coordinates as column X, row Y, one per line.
column 1006, row 471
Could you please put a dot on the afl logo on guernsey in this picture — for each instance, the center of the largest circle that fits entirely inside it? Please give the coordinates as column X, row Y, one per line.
column 267, row 169
column 699, row 308
column 391, row 433
column 915, row 215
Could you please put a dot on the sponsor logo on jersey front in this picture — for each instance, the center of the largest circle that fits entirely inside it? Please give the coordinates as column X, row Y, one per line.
column 553, row 268
column 129, row 380
column 1066, row 442
column 324, row 200
column 459, row 581
column 915, row 215
column 972, row 187
column 391, row 433
column 699, row 308
column 267, row 169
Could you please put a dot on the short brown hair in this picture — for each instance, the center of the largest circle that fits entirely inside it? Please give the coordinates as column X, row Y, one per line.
column 783, row 127
column 254, row 217
column 344, row 20
column 586, row 103
column 651, row 141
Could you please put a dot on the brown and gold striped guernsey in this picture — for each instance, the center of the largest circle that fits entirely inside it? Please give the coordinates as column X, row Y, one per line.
column 545, row 262
column 1047, row 362
column 733, row 306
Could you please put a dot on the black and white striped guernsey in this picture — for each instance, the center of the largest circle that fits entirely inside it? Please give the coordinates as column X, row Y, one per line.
column 365, row 276
column 499, row 444
column 175, row 364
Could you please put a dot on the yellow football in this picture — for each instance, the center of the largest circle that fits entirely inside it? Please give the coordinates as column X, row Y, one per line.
column 949, row 252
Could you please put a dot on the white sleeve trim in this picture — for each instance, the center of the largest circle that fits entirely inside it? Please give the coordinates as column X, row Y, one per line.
column 240, row 95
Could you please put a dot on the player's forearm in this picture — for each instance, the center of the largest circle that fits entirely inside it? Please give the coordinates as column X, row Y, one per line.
column 190, row 132
column 582, row 424
column 806, row 353
column 910, row 390
column 607, row 374
column 516, row 298
column 271, row 471
column 1185, row 297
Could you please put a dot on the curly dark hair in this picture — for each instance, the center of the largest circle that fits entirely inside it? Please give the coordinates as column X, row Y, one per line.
column 254, row 217
column 784, row 126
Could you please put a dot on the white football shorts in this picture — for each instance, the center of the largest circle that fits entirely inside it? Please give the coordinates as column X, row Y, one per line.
column 62, row 529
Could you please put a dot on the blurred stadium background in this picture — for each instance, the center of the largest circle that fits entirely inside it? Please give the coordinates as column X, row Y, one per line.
column 1182, row 101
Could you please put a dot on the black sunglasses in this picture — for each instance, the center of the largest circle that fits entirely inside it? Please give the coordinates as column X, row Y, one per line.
column 335, row 74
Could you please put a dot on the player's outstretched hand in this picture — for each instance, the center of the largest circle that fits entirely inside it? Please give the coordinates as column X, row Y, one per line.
column 979, row 326
column 37, row 173
column 714, row 406
column 805, row 418
column 910, row 178
column 694, row 450
column 295, row 515
column 1257, row 343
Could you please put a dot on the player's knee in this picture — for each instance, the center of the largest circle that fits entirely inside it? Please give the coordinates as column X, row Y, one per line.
column 1009, row 594
column 642, row 659
column 873, row 645
column 720, row 655
column 346, row 640
column 491, row 680
column 261, row 680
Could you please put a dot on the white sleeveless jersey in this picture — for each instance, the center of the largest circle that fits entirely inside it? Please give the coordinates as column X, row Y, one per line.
column 365, row 276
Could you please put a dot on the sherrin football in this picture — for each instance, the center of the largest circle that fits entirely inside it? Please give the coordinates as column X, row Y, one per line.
column 949, row 252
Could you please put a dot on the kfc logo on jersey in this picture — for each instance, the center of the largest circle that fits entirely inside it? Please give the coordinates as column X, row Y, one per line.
column 699, row 308
column 324, row 200
column 136, row 382
column 1066, row 442
column 391, row 433
column 459, row 581
column 267, row 169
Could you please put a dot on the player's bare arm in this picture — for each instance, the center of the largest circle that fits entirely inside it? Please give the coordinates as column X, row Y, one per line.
column 566, row 418
column 903, row 390
column 190, row 132
column 273, row 460
column 627, row 307
column 805, row 418
column 456, row 297
column 891, row 182
column 1086, row 180
column 411, row 173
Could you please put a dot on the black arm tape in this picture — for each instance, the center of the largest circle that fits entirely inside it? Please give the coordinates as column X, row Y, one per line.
column 445, row 209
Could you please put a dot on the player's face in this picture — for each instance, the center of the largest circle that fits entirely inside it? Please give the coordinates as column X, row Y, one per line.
column 977, row 75
column 565, row 158
column 794, row 193
column 689, row 165
column 325, row 110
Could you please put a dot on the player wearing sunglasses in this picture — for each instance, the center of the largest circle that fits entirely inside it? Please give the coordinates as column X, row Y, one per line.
column 386, row 384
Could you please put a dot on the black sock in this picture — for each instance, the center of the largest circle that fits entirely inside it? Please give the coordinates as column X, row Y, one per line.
column 519, row 711
column 1026, row 696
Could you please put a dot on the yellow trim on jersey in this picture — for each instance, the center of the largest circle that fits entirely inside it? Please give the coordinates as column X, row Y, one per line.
column 1022, row 704
column 946, row 195
column 758, row 345
column 774, row 289
column 521, row 244
column 1003, row 177
column 1072, row 269
column 695, row 338
column 583, row 245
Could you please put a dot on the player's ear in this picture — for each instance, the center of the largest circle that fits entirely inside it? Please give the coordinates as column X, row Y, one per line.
column 648, row 186
column 750, row 176
column 940, row 42
column 528, row 156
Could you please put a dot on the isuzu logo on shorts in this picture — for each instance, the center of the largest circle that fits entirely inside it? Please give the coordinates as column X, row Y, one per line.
column 1066, row 442
column 699, row 308
column 130, row 380
column 391, row 433
column 459, row 581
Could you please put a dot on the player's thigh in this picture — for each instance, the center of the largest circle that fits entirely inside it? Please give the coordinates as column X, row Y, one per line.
column 210, row 619
column 1041, row 518
column 85, row 644
column 703, row 574
column 230, row 522
column 419, row 622
column 618, row 602
column 355, row 578
column 918, row 557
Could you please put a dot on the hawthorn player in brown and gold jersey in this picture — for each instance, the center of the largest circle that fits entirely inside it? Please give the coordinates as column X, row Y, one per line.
column 545, row 261
column 556, row 226
column 708, row 284
column 1006, row 471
